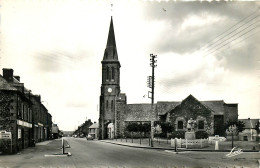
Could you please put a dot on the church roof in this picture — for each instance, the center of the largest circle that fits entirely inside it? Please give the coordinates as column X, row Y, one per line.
column 164, row 107
column 140, row 112
column 215, row 105
column 110, row 53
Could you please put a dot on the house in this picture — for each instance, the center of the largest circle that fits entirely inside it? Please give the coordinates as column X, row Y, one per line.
column 249, row 133
column 20, row 115
column 93, row 130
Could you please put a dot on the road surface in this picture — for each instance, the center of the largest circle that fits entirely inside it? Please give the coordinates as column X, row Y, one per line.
column 100, row 154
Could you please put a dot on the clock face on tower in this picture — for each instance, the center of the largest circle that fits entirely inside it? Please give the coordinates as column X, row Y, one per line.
column 109, row 90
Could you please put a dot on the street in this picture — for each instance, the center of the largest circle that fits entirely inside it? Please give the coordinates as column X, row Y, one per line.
column 100, row 154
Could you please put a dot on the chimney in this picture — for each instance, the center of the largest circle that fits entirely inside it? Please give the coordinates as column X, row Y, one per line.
column 38, row 98
column 8, row 74
column 17, row 78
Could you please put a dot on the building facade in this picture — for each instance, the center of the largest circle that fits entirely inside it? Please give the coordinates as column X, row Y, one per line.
column 115, row 113
column 20, row 114
column 93, row 130
column 83, row 129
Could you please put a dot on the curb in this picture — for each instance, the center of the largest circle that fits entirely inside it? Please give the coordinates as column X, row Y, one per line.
column 179, row 150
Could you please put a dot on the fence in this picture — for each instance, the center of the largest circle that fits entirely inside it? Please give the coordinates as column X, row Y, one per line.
column 184, row 143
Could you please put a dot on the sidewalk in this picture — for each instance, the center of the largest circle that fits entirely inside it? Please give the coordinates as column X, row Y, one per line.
column 164, row 145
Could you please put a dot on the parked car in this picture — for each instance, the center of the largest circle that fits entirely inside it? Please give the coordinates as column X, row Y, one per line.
column 89, row 137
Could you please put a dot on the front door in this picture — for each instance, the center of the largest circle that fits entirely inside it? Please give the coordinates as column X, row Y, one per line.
column 219, row 128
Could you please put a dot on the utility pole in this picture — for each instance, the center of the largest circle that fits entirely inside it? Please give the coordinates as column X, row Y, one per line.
column 150, row 84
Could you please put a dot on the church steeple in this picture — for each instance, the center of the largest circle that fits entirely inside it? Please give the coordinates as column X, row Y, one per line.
column 110, row 87
column 110, row 53
column 111, row 42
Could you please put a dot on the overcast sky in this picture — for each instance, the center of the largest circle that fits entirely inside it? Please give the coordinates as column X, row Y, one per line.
column 56, row 47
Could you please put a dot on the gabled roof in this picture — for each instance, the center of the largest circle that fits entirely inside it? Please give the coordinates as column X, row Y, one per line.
column 95, row 125
column 164, row 107
column 190, row 97
column 216, row 105
column 4, row 85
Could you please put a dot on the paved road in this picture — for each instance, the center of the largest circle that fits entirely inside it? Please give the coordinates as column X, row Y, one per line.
column 99, row 154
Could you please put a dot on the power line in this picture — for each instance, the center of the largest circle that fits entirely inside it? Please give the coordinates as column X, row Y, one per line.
column 231, row 28
column 245, row 38
column 216, row 44
column 232, row 40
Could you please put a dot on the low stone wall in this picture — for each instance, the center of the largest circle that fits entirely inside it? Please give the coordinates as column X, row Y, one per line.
column 190, row 144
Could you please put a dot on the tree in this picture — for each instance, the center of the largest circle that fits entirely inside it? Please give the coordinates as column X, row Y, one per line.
column 167, row 127
column 240, row 125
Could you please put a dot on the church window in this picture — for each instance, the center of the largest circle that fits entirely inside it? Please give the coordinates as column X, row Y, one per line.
column 180, row 125
column 113, row 73
column 112, row 104
column 107, row 104
column 107, row 73
column 201, row 124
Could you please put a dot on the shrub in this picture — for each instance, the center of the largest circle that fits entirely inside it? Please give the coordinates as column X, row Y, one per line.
column 178, row 134
column 201, row 134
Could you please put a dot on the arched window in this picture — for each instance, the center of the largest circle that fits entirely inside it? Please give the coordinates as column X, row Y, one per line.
column 201, row 125
column 112, row 104
column 107, row 73
column 113, row 73
column 107, row 104
column 180, row 125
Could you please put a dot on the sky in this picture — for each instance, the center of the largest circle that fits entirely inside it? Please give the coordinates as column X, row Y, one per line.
column 207, row 49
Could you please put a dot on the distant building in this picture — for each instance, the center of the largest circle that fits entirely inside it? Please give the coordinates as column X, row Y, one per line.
column 21, row 114
column 83, row 129
column 55, row 131
column 249, row 133
column 115, row 113
column 93, row 130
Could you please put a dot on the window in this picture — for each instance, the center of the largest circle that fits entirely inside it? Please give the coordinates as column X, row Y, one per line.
column 22, row 110
column 107, row 73
column 201, row 124
column 113, row 53
column 113, row 73
column 107, row 104
column 112, row 104
column 180, row 125
column 28, row 114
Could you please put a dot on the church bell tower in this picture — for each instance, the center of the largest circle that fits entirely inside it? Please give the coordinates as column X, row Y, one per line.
column 110, row 87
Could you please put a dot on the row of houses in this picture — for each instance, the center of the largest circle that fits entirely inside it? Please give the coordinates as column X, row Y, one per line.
column 24, row 120
column 83, row 129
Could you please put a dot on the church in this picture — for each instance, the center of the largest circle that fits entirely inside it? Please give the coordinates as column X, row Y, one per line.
column 115, row 113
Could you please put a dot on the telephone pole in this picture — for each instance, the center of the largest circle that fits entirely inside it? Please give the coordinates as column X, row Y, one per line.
column 150, row 84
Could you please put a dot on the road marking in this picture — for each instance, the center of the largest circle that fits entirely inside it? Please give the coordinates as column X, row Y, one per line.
column 58, row 154
column 169, row 151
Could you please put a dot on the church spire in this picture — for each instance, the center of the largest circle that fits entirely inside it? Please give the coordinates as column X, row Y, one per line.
column 111, row 42
column 111, row 51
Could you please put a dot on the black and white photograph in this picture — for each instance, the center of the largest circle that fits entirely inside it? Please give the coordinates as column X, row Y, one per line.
column 129, row 83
